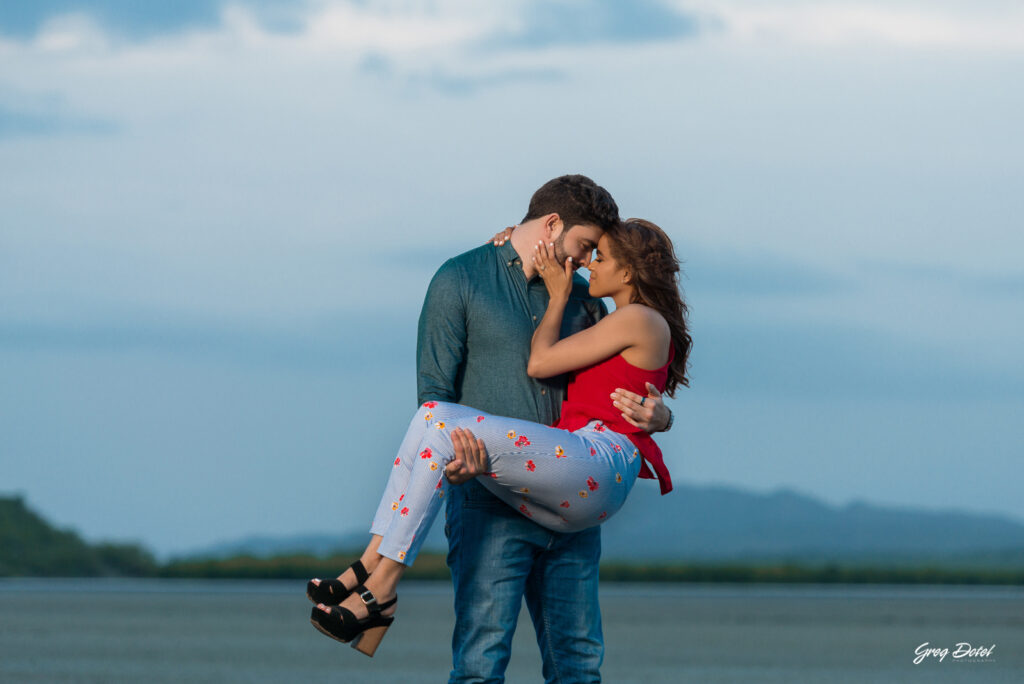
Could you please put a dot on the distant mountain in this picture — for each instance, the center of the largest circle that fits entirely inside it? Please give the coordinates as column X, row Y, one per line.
column 265, row 547
column 30, row 546
column 717, row 523
column 725, row 523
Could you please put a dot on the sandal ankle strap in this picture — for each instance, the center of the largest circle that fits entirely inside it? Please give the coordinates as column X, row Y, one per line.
column 360, row 571
column 370, row 600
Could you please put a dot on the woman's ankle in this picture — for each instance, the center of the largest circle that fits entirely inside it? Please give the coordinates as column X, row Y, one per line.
column 384, row 583
column 370, row 560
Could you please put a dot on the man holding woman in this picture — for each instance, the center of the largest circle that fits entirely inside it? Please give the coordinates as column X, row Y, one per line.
column 479, row 318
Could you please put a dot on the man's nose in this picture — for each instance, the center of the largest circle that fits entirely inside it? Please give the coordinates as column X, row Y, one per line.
column 585, row 261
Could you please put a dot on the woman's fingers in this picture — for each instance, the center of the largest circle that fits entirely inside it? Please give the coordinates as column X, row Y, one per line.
column 544, row 257
column 551, row 255
column 502, row 237
column 541, row 256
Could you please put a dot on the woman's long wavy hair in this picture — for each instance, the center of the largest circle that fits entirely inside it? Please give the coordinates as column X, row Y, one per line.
column 647, row 252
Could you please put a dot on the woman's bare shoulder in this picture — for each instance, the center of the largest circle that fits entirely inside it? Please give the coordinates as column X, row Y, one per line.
column 647, row 319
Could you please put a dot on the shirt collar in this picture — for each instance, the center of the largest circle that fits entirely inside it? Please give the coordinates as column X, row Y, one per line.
column 508, row 254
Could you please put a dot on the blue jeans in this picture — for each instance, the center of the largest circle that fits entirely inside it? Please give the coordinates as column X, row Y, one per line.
column 497, row 557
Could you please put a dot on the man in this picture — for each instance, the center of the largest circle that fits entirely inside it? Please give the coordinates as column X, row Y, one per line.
column 474, row 337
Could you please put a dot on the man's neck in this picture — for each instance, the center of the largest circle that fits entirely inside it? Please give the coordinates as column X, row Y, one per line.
column 524, row 238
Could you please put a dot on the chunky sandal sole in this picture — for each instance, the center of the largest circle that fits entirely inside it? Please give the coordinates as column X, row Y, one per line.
column 368, row 641
column 365, row 642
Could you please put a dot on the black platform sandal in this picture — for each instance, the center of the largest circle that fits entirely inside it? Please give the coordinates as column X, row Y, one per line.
column 332, row 592
column 341, row 624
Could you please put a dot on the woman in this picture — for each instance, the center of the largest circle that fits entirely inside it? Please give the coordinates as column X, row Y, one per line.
column 568, row 477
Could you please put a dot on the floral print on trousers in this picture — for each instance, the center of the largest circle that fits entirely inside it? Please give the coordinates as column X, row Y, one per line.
column 565, row 481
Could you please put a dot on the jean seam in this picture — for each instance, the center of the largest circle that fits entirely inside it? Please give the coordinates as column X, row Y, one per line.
column 459, row 564
column 547, row 638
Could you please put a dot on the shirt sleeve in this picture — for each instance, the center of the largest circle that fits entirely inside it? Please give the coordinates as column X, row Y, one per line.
column 598, row 310
column 441, row 336
column 594, row 306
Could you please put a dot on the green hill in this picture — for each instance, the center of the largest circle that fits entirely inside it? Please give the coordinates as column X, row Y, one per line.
column 30, row 546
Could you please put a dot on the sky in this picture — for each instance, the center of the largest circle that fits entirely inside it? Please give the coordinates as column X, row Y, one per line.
column 218, row 220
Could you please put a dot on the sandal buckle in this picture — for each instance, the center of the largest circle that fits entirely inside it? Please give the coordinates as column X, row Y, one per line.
column 369, row 599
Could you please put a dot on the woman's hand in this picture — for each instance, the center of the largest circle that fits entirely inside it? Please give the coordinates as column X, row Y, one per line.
column 557, row 277
column 504, row 236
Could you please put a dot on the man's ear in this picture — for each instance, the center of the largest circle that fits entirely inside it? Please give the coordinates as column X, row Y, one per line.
column 553, row 227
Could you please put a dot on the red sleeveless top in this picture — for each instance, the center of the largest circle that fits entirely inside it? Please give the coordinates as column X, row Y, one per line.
column 588, row 399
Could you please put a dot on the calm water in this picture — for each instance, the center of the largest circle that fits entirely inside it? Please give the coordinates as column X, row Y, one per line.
column 240, row 631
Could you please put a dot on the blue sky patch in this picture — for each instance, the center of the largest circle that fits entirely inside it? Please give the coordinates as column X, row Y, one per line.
column 21, row 123
column 547, row 24
column 135, row 19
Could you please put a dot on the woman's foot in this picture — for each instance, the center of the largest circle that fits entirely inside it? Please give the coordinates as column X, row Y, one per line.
column 355, row 604
column 334, row 591
column 360, row 620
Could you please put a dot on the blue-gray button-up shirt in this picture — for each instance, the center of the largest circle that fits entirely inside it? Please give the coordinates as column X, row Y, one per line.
column 474, row 335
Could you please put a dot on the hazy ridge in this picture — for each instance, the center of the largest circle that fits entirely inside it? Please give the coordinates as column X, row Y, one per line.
column 718, row 523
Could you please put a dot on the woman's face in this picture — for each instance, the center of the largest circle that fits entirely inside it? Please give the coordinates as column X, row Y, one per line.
column 606, row 275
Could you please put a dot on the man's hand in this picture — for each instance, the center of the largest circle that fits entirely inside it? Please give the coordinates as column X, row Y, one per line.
column 647, row 413
column 470, row 457
column 502, row 237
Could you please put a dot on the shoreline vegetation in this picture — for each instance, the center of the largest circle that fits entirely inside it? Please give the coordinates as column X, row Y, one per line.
column 31, row 547
column 431, row 566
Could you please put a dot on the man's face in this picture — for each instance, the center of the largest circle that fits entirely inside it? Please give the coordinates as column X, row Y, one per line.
column 578, row 242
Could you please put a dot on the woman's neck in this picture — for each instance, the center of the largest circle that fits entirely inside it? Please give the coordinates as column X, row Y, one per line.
column 623, row 296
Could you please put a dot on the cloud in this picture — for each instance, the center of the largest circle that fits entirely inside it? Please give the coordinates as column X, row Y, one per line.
column 334, row 342
column 546, row 23
column 461, row 85
column 49, row 118
column 752, row 275
column 912, row 24
column 454, row 81
column 524, row 25
column 1008, row 284
column 833, row 362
